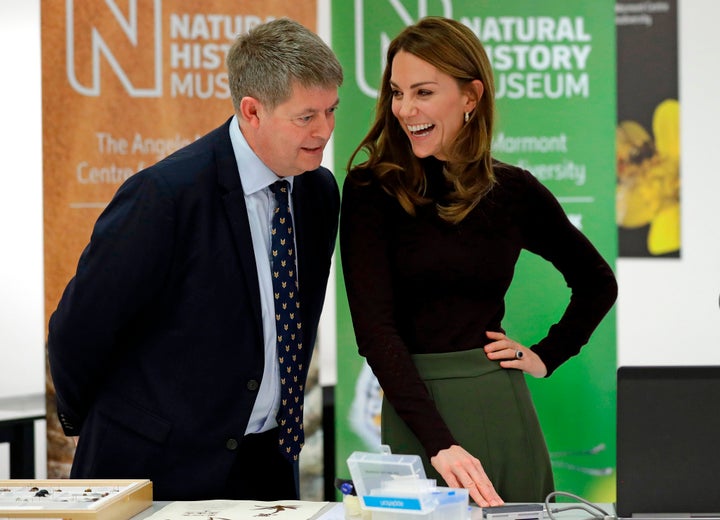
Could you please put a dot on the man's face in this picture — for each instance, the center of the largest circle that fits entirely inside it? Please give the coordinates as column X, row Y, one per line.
column 290, row 139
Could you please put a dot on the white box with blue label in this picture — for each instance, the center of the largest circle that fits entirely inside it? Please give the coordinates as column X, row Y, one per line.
column 394, row 487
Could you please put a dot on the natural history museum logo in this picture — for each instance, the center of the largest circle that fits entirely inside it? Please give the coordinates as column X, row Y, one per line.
column 372, row 37
column 533, row 56
column 148, row 52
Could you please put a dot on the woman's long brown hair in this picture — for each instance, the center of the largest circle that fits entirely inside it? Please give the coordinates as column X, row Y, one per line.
column 452, row 48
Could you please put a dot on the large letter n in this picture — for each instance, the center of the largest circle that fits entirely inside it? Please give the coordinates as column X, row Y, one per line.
column 130, row 43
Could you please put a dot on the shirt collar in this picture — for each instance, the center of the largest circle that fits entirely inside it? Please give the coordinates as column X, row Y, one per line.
column 254, row 174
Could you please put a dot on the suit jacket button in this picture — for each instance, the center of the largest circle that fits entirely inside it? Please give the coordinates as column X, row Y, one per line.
column 231, row 444
column 253, row 385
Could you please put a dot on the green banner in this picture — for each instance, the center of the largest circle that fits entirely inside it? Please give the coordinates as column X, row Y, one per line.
column 554, row 63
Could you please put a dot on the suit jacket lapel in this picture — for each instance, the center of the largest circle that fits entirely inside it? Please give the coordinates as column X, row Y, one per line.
column 234, row 200
column 301, row 217
column 300, row 221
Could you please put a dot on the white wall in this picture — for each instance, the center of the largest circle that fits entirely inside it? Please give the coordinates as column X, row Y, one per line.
column 667, row 310
column 22, row 369
column 21, row 270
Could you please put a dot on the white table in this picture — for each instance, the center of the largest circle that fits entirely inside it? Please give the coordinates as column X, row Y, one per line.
column 336, row 512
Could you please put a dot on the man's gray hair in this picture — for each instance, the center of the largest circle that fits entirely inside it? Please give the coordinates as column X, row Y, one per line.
column 265, row 62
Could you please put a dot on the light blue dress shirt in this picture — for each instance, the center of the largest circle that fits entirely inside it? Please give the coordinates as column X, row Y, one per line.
column 260, row 201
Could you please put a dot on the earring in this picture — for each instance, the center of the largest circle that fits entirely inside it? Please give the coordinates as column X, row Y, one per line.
column 467, row 116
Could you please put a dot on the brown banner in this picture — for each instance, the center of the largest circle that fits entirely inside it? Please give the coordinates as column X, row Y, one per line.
column 125, row 82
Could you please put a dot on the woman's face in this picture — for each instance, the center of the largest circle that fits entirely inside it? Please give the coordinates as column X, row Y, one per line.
column 428, row 103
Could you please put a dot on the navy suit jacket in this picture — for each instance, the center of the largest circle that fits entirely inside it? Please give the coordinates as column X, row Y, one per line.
column 156, row 347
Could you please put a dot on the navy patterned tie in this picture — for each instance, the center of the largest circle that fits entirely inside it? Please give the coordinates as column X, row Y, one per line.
column 291, row 355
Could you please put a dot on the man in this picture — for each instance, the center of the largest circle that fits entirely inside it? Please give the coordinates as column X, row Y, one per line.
column 163, row 346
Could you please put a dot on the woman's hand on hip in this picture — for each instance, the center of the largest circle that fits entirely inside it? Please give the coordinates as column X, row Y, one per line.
column 461, row 470
column 512, row 354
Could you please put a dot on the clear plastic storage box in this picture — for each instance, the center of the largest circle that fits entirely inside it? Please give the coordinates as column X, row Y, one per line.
column 395, row 487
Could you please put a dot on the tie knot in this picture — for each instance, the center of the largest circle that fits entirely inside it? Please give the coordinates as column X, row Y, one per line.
column 281, row 190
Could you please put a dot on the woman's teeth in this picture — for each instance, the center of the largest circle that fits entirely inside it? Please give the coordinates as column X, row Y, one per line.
column 420, row 130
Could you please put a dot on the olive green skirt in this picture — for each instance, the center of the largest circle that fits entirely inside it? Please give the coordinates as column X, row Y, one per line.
column 490, row 413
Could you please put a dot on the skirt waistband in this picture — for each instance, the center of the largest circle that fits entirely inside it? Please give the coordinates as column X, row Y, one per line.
column 447, row 365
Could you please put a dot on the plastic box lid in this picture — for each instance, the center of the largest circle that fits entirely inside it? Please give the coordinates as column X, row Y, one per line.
column 370, row 471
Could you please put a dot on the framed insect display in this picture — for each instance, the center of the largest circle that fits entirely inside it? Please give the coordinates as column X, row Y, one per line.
column 71, row 499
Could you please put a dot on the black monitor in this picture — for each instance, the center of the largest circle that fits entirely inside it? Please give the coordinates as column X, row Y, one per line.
column 668, row 441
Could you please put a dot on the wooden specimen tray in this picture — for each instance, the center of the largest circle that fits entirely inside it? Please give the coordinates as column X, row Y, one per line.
column 74, row 499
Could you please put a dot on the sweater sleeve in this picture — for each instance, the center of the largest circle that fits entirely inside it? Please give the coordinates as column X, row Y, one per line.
column 365, row 252
column 549, row 233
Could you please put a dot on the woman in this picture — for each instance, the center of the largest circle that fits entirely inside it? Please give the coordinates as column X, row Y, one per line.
column 431, row 229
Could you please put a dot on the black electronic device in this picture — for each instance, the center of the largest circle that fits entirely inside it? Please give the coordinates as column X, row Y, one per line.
column 514, row 512
column 668, row 441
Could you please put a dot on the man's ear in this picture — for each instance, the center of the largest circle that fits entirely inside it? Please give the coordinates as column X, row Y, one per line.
column 250, row 111
column 474, row 93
